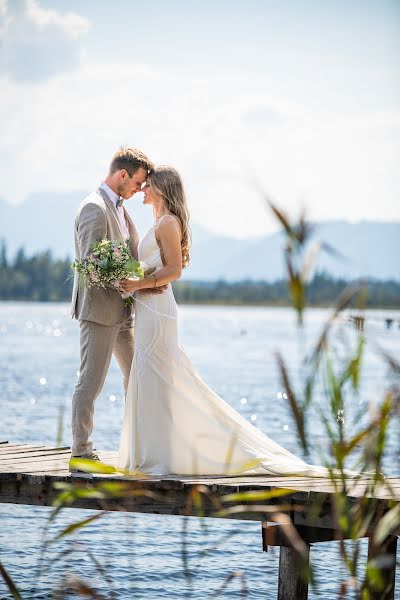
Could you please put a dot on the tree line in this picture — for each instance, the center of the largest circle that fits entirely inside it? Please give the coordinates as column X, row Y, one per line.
column 42, row 277
column 39, row 277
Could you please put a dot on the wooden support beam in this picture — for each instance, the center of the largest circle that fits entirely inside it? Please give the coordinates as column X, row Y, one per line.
column 293, row 561
column 273, row 534
column 293, row 571
column 385, row 557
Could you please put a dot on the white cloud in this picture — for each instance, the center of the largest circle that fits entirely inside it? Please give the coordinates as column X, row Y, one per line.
column 223, row 134
column 38, row 43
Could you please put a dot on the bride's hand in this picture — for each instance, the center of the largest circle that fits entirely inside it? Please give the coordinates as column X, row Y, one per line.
column 129, row 285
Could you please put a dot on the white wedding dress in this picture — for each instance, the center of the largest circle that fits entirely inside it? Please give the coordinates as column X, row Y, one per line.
column 173, row 422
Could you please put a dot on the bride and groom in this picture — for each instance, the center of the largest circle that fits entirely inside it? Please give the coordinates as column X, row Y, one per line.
column 173, row 422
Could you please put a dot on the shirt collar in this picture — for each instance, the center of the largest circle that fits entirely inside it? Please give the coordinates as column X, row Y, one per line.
column 110, row 193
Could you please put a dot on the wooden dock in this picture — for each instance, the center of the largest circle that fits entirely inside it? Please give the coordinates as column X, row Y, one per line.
column 358, row 320
column 289, row 509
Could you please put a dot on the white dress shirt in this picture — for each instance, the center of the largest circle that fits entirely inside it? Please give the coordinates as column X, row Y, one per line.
column 120, row 211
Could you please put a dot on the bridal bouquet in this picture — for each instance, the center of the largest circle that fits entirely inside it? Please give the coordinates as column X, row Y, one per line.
column 108, row 263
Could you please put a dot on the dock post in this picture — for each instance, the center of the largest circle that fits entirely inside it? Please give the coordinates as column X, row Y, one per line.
column 292, row 585
column 386, row 552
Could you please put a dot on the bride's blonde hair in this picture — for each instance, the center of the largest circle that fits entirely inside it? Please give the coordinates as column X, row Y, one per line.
column 168, row 184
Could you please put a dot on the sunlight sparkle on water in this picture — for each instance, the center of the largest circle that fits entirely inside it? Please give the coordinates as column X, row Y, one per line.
column 253, row 417
column 112, row 398
column 43, row 381
column 35, row 414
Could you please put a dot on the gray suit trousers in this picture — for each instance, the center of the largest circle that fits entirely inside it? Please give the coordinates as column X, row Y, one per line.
column 98, row 343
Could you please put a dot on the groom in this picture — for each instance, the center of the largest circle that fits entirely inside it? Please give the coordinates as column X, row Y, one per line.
column 106, row 324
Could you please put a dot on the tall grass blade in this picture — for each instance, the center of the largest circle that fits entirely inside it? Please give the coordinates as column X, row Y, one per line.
column 9, row 582
column 78, row 525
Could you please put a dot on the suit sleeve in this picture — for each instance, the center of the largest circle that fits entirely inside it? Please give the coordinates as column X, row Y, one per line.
column 91, row 227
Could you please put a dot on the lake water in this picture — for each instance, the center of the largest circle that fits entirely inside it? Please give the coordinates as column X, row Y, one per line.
column 141, row 555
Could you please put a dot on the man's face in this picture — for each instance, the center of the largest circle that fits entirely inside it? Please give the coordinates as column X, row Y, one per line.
column 130, row 185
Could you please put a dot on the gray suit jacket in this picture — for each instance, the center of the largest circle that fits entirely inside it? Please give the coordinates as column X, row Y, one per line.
column 96, row 219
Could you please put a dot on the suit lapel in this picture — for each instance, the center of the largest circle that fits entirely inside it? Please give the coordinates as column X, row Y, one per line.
column 133, row 234
column 112, row 208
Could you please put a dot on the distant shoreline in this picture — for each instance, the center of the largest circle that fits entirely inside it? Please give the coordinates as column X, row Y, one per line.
column 43, row 278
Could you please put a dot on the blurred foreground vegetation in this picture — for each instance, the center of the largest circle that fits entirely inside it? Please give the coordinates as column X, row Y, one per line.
column 359, row 440
column 43, row 278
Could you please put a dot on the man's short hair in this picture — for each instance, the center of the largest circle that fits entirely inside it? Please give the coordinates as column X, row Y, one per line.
column 131, row 160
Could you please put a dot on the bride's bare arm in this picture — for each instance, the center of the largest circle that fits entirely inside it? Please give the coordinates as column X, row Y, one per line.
column 169, row 236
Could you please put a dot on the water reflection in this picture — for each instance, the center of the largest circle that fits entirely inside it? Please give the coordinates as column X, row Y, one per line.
column 237, row 367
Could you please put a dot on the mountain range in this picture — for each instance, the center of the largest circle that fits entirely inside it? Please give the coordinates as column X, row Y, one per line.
column 368, row 248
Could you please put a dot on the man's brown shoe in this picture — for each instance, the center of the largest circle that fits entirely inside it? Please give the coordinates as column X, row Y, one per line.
column 90, row 456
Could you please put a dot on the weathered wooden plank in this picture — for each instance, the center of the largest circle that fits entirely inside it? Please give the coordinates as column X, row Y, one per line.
column 282, row 481
column 28, row 447
column 63, row 473
column 35, row 466
column 38, row 468
column 39, row 452
column 16, row 443
column 19, row 448
column 18, row 452
column 23, row 456
column 39, row 456
column 273, row 534
column 33, row 451
column 25, row 467
column 359, row 488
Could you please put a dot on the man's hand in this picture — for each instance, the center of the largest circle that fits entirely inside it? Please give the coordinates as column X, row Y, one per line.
column 133, row 285
column 129, row 285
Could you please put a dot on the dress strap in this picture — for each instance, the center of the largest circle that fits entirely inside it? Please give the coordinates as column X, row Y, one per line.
column 168, row 215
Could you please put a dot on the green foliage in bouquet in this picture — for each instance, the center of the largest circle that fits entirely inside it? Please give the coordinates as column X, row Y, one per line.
column 108, row 263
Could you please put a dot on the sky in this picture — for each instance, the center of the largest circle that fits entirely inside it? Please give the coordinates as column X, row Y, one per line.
column 298, row 100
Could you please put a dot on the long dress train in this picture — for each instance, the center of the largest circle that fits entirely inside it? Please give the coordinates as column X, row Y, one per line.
column 173, row 422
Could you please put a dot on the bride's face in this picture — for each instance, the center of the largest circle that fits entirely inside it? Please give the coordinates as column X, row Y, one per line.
column 150, row 195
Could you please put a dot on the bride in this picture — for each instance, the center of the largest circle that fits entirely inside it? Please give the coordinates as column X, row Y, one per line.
column 173, row 422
